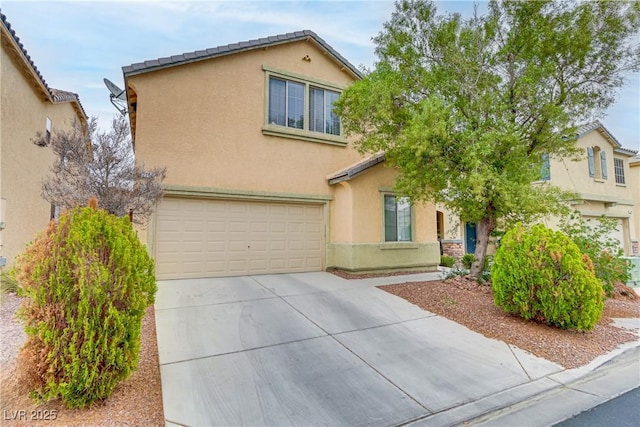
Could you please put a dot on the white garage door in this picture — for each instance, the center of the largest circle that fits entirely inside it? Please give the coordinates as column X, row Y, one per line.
column 208, row 238
column 617, row 233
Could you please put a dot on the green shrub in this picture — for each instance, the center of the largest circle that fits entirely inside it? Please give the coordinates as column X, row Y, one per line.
column 541, row 274
column 8, row 283
column 594, row 239
column 88, row 281
column 467, row 260
column 447, row 261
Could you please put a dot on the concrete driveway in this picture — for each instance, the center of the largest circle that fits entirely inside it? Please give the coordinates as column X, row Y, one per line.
column 315, row 349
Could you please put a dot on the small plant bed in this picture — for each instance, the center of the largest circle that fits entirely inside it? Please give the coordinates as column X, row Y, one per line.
column 137, row 401
column 462, row 300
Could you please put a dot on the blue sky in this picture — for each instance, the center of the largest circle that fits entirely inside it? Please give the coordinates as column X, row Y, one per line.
column 75, row 44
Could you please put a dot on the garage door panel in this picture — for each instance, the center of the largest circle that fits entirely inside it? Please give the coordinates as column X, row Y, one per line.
column 278, row 227
column 313, row 246
column 259, row 227
column 277, row 245
column 207, row 238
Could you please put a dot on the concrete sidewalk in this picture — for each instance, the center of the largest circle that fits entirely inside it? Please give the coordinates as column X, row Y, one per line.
column 315, row 349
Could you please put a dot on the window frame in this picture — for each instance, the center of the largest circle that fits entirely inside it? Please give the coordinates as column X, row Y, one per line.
column 384, row 219
column 48, row 125
column 305, row 133
column 618, row 171
column 545, row 167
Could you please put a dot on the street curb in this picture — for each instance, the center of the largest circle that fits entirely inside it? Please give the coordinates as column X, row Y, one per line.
column 550, row 399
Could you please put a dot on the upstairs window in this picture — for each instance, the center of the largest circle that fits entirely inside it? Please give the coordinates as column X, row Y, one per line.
column 397, row 219
column 286, row 103
column 301, row 107
column 618, row 165
column 321, row 115
column 47, row 134
column 545, row 168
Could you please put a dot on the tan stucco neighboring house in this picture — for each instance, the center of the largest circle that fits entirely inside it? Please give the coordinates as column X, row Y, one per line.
column 260, row 177
column 634, row 182
column 606, row 180
column 603, row 181
column 28, row 105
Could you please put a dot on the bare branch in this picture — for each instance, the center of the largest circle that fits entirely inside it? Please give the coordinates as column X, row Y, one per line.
column 101, row 164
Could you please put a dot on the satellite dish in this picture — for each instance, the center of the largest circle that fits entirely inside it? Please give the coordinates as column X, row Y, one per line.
column 118, row 97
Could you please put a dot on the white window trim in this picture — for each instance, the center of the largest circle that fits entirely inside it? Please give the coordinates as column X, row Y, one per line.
column 293, row 133
column 615, row 172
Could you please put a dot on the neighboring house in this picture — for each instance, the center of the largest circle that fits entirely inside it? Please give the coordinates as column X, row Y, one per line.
column 606, row 179
column 634, row 181
column 29, row 105
column 602, row 181
column 260, row 177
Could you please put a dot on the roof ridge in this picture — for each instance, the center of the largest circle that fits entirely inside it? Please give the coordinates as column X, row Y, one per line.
column 198, row 55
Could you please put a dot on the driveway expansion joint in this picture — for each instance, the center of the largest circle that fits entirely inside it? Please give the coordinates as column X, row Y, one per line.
column 210, row 356
column 357, row 355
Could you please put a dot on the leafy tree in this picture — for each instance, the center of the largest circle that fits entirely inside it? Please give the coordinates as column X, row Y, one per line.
column 92, row 163
column 465, row 109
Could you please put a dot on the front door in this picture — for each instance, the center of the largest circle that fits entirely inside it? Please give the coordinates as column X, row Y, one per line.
column 470, row 237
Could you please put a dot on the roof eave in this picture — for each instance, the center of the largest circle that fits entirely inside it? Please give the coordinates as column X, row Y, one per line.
column 142, row 68
column 28, row 65
column 356, row 169
column 625, row 151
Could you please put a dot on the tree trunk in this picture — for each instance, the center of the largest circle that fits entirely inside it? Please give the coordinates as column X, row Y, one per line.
column 483, row 231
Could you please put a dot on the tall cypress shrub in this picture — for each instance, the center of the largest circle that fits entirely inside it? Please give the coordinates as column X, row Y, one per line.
column 88, row 281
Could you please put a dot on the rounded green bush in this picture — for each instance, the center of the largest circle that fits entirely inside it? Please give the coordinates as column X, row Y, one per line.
column 541, row 274
column 88, row 281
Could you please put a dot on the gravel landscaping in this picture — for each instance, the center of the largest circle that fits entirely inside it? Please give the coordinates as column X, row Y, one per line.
column 465, row 302
column 136, row 401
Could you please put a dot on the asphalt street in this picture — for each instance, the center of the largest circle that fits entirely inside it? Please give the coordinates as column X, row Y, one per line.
column 623, row 411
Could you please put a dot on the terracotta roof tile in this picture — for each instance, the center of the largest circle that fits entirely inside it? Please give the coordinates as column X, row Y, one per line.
column 356, row 169
column 585, row 128
column 198, row 55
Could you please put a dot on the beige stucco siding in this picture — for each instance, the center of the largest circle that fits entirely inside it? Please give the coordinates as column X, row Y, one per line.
column 599, row 195
column 368, row 191
column 204, row 122
column 634, row 182
column 24, row 164
column 357, row 227
column 574, row 175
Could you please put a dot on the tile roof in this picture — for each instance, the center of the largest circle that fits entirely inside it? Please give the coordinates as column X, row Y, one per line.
column 355, row 169
column 55, row 95
column 584, row 129
column 199, row 55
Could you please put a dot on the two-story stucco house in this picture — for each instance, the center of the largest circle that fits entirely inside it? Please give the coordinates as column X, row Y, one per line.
column 29, row 106
column 606, row 180
column 602, row 180
column 260, row 177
